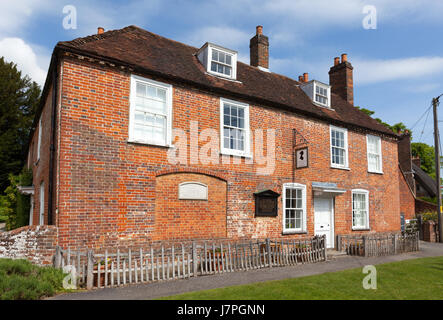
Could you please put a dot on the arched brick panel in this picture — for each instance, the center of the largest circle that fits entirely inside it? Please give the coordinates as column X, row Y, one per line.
column 189, row 219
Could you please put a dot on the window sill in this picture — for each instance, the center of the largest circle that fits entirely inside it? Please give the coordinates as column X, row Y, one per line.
column 376, row 172
column 293, row 232
column 361, row 229
column 221, row 76
column 341, row 168
column 149, row 144
column 234, row 154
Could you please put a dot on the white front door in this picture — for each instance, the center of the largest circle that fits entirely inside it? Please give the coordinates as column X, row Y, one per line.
column 324, row 219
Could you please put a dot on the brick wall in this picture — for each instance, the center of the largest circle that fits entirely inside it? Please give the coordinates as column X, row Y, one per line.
column 35, row 243
column 423, row 206
column 40, row 167
column 109, row 188
column 407, row 199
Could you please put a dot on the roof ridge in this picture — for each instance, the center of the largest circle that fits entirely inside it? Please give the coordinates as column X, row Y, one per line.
column 102, row 36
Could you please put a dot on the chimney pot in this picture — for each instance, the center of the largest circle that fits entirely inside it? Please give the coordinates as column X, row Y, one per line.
column 336, row 61
column 300, row 78
column 259, row 30
column 344, row 57
column 100, row 30
column 305, row 77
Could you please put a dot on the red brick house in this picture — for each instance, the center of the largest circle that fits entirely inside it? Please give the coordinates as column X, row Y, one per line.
column 123, row 149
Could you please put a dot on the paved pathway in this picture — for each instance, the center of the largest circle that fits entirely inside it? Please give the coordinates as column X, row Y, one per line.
column 167, row 288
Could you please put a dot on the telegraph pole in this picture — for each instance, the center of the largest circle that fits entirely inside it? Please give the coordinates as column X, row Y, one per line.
column 435, row 102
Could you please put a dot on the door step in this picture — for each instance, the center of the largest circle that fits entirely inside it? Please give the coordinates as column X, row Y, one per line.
column 333, row 254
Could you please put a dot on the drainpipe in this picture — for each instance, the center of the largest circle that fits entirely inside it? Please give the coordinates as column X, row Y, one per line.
column 53, row 133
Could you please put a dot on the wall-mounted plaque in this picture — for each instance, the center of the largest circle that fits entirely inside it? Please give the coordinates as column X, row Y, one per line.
column 192, row 191
column 266, row 203
column 301, row 158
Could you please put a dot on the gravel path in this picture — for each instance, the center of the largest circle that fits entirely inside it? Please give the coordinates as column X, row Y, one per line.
column 167, row 288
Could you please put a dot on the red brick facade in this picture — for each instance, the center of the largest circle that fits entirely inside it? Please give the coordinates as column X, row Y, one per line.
column 407, row 199
column 110, row 192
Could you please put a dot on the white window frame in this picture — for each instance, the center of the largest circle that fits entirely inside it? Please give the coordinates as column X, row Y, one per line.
column 39, row 140
column 328, row 94
column 345, row 131
column 366, row 194
column 233, row 66
column 41, row 219
column 132, row 99
column 227, row 151
column 303, row 228
column 379, row 153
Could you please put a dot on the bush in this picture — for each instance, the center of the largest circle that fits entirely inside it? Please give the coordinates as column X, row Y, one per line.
column 21, row 280
column 429, row 215
column 14, row 205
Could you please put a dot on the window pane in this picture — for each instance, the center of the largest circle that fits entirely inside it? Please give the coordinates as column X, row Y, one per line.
column 213, row 66
column 228, row 59
column 141, row 89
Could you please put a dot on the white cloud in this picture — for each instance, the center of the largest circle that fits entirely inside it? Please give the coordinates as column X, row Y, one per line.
column 375, row 71
column 18, row 51
column 14, row 15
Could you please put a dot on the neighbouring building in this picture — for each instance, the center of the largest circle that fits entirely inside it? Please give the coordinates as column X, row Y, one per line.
column 141, row 138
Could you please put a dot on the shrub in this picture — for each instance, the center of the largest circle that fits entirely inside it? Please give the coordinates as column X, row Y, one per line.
column 21, row 280
column 14, row 205
column 428, row 216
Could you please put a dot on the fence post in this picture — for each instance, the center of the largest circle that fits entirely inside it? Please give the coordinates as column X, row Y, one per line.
column 365, row 245
column 324, row 247
column 268, row 249
column 338, row 242
column 58, row 257
column 90, row 274
column 395, row 243
column 194, row 259
column 417, row 239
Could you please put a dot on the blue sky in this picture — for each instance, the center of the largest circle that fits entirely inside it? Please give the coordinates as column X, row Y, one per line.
column 398, row 67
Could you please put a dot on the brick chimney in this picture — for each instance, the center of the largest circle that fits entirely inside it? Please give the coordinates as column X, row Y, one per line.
column 416, row 161
column 341, row 79
column 405, row 159
column 259, row 49
column 100, row 30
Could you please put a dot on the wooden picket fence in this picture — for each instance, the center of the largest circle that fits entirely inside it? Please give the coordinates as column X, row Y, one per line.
column 163, row 261
column 383, row 244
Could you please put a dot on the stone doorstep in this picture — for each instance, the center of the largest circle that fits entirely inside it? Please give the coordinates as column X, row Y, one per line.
column 333, row 254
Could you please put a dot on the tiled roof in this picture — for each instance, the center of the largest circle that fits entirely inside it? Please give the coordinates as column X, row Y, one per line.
column 149, row 52
column 425, row 180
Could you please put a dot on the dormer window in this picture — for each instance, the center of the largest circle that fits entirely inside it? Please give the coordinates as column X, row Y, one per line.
column 320, row 93
column 221, row 62
column 218, row 60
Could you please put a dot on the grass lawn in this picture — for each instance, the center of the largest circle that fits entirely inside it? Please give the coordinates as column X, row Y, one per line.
column 411, row 279
column 20, row 279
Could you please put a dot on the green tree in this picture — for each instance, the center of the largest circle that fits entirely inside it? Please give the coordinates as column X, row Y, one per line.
column 15, row 205
column 400, row 126
column 427, row 156
column 19, row 97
